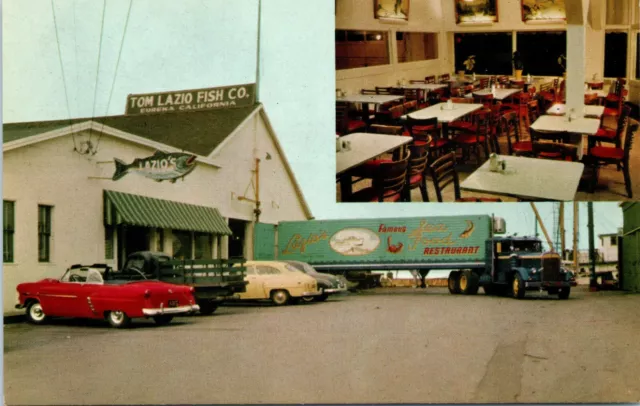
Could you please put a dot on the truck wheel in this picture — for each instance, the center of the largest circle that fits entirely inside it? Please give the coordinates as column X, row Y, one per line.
column 118, row 319
column 564, row 293
column 454, row 283
column 163, row 320
column 35, row 314
column 280, row 297
column 207, row 307
column 468, row 283
column 517, row 287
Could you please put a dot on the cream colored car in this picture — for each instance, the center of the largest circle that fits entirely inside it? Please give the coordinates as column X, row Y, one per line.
column 278, row 281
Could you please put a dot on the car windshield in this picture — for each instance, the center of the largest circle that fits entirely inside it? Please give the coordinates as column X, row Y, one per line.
column 526, row 246
column 292, row 268
column 309, row 269
column 82, row 275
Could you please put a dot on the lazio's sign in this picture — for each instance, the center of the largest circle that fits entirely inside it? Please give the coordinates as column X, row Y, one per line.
column 191, row 100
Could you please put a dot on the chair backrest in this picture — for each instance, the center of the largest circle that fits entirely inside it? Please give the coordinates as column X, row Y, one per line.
column 632, row 130
column 444, row 77
column 410, row 106
column 466, row 89
column 430, row 79
column 386, row 129
column 417, row 82
column 503, row 80
column 551, row 136
column 342, row 118
column 384, row 90
column 546, row 87
column 484, row 83
column 390, row 177
column 483, row 121
column 562, row 151
column 422, row 129
column 412, row 94
column 396, row 111
column 418, row 162
column 443, row 173
column 509, row 127
column 368, row 91
column 461, row 100
column 486, row 99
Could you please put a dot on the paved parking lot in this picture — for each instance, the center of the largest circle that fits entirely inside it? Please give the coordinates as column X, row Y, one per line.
column 392, row 346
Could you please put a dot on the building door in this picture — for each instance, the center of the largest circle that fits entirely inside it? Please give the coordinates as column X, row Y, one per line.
column 132, row 239
column 237, row 239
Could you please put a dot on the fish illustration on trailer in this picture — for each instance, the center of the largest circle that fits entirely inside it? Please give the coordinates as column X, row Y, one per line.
column 160, row 166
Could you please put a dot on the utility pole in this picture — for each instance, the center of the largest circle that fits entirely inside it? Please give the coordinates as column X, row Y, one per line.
column 575, row 237
column 592, row 249
column 563, row 245
column 544, row 230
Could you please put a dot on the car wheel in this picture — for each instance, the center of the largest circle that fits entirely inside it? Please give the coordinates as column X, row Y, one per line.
column 564, row 293
column 517, row 287
column 118, row 319
column 280, row 297
column 207, row 307
column 35, row 314
column 322, row 297
column 163, row 320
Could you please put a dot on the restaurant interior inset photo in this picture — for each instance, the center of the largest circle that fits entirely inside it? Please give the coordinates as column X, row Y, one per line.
column 520, row 108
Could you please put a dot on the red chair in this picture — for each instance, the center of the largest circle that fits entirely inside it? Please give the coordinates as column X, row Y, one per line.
column 344, row 124
column 615, row 99
column 417, row 171
column 471, row 139
column 509, row 128
column 600, row 156
column 389, row 114
column 427, row 131
column 387, row 183
column 539, row 137
column 445, row 77
column 430, row 79
column 611, row 136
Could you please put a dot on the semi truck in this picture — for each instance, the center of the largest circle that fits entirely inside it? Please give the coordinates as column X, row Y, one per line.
column 473, row 247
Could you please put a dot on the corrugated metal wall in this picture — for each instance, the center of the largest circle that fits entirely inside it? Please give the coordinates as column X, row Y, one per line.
column 630, row 261
column 264, row 243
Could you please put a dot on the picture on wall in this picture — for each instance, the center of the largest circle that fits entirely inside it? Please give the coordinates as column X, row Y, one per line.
column 476, row 11
column 397, row 10
column 541, row 10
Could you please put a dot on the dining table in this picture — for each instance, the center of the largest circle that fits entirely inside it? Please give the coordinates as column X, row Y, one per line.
column 363, row 147
column 578, row 128
column 369, row 99
column 528, row 179
column 560, row 109
column 445, row 113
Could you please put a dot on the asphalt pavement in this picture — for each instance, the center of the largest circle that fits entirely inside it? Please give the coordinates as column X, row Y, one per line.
column 397, row 345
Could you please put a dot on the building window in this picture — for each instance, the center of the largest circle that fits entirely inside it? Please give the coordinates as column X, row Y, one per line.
column 108, row 242
column 359, row 49
column 416, row 46
column 615, row 54
column 44, row 233
column 203, row 243
column 540, row 52
column 181, row 244
column 160, row 237
column 614, row 241
column 618, row 11
column 492, row 52
column 8, row 221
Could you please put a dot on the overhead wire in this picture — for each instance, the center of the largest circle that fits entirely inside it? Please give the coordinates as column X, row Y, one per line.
column 115, row 73
column 95, row 87
column 64, row 80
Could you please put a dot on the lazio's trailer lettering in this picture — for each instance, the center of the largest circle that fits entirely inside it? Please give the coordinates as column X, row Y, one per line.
column 386, row 241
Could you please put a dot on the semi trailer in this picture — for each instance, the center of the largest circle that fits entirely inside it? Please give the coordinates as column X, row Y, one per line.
column 473, row 247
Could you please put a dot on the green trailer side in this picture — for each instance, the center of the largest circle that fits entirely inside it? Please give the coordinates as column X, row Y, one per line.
column 447, row 242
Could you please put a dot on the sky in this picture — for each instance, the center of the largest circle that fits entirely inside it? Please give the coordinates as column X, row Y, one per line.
column 171, row 45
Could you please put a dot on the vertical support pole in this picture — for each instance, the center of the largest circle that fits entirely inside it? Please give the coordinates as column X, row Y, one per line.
column 592, row 248
column 544, row 229
column 563, row 245
column 576, row 51
column 575, row 236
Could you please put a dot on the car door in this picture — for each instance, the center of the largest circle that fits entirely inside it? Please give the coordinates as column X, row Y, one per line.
column 272, row 277
column 255, row 287
column 61, row 299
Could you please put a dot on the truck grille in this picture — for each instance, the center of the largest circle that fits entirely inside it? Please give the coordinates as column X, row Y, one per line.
column 551, row 267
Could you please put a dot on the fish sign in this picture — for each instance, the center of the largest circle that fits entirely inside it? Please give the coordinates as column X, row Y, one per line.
column 160, row 166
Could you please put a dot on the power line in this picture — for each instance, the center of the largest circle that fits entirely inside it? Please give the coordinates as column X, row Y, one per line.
column 95, row 88
column 64, row 80
column 115, row 73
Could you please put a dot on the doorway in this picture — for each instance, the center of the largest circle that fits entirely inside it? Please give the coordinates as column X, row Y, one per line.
column 237, row 239
column 132, row 239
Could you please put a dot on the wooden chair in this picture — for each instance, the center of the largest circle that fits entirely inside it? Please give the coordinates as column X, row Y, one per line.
column 503, row 80
column 445, row 77
column 555, row 137
column 386, row 129
column 600, row 156
column 611, row 136
column 390, row 115
column 430, row 79
column 417, row 170
column 344, row 124
column 425, row 131
column 554, row 150
column 384, row 90
column 368, row 91
column 413, row 82
column 470, row 140
column 615, row 99
column 443, row 173
column 416, row 95
column 387, row 183
column 509, row 128
column 483, row 83
column 410, row 106
column 486, row 99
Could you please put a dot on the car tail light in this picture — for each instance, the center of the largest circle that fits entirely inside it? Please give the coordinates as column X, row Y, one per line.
column 192, row 289
column 147, row 294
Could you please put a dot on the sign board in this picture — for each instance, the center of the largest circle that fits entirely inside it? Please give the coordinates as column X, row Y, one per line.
column 191, row 100
column 410, row 240
column 159, row 166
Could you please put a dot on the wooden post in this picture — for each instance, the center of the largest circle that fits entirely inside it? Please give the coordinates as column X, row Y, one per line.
column 575, row 236
column 563, row 245
column 544, row 229
column 257, row 211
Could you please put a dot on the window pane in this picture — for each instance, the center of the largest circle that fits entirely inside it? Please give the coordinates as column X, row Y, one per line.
column 615, row 54
column 108, row 242
column 540, row 52
column 8, row 222
column 203, row 244
column 492, row 52
column 361, row 49
column 44, row 233
column 181, row 244
column 416, row 46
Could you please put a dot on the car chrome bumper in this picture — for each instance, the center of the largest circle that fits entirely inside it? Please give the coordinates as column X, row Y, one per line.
column 307, row 294
column 335, row 290
column 171, row 310
column 562, row 284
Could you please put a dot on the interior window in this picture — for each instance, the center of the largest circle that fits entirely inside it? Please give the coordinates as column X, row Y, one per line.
column 267, row 270
column 492, row 52
column 358, row 49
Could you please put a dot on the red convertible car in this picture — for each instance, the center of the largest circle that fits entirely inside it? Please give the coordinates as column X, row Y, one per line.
column 86, row 292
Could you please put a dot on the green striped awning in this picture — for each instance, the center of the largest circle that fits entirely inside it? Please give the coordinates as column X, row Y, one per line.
column 135, row 210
